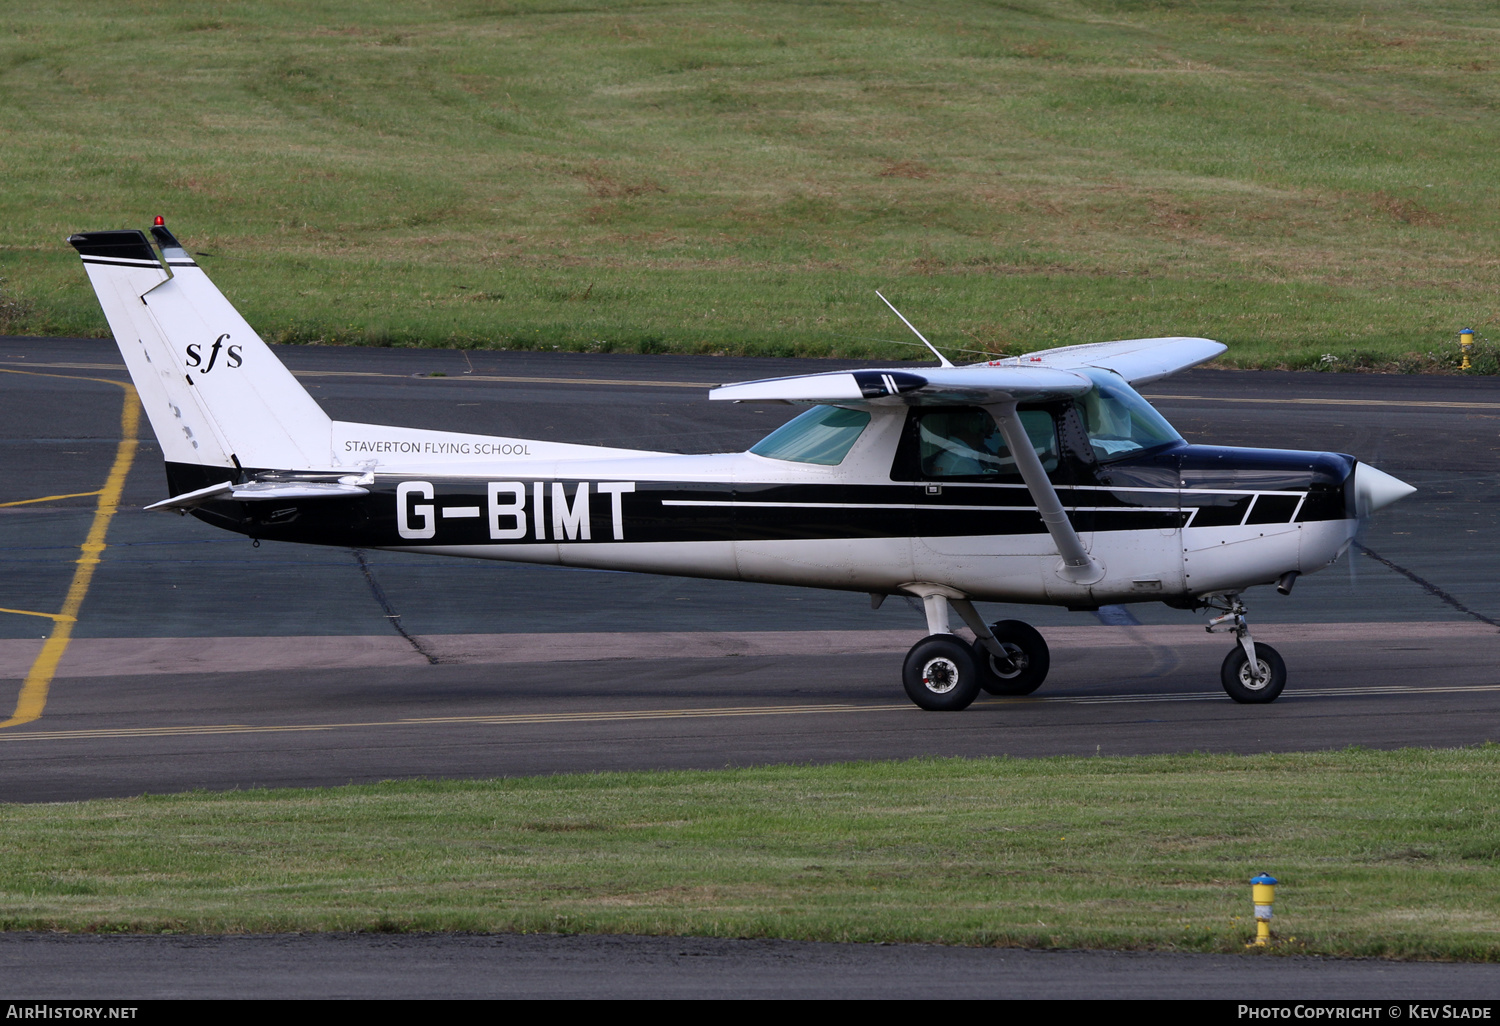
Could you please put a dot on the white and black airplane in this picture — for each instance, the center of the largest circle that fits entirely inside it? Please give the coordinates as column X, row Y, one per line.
column 1041, row 479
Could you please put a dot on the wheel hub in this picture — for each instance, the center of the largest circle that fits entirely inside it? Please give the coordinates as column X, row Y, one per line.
column 1257, row 678
column 1018, row 662
column 940, row 675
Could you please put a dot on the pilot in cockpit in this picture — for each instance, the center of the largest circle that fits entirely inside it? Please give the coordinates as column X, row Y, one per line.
column 963, row 443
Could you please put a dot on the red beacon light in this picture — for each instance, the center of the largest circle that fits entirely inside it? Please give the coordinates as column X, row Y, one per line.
column 160, row 221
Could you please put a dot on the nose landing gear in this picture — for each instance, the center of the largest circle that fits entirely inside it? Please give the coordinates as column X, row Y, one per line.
column 1251, row 674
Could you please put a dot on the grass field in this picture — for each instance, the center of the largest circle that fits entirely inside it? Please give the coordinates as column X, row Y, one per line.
column 1378, row 853
column 1312, row 183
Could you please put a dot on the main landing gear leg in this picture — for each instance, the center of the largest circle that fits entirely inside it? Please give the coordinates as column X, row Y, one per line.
column 1251, row 674
column 1013, row 657
column 943, row 673
column 940, row 673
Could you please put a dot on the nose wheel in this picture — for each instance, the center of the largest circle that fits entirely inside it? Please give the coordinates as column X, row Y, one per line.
column 1252, row 674
column 1253, row 687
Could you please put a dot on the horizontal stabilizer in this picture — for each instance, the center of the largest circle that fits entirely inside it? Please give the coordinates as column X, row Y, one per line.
column 939, row 386
column 259, row 491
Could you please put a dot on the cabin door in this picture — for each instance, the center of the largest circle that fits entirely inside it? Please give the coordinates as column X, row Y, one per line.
column 968, row 496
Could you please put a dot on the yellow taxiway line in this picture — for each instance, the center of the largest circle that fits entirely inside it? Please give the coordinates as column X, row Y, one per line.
column 710, row 712
column 1407, row 403
column 640, row 383
column 50, row 498
column 33, row 612
column 439, row 377
column 515, row 719
column 512, row 379
column 33, row 697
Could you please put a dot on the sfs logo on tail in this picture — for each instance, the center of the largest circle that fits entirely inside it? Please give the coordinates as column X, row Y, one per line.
column 195, row 355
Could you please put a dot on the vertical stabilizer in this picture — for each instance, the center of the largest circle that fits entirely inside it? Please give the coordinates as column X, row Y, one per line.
column 215, row 393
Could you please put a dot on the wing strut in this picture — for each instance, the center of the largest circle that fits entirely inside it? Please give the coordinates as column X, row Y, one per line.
column 1078, row 566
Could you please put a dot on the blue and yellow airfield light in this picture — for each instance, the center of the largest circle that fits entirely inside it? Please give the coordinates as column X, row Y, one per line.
column 1263, row 893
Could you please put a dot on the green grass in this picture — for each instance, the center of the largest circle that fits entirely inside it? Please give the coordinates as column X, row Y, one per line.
column 1378, row 853
column 1297, row 179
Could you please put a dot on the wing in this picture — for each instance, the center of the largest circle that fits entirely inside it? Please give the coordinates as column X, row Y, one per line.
column 1049, row 374
column 939, row 386
column 1137, row 360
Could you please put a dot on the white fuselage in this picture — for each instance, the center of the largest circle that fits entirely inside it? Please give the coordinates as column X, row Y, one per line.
column 520, row 508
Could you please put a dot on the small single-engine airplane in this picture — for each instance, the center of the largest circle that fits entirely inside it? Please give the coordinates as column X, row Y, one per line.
column 1040, row 479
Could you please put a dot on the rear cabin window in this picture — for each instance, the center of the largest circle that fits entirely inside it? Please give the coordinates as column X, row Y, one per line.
column 823, row 435
column 966, row 442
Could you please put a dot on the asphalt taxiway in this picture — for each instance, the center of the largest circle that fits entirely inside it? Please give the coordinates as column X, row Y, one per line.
column 195, row 660
column 428, row 966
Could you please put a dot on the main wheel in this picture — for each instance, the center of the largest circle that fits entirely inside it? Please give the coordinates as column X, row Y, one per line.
column 940, row 674
column 1241, row 684
column 1029, row 657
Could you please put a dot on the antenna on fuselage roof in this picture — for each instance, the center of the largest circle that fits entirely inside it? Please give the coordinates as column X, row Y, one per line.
column 943, row 360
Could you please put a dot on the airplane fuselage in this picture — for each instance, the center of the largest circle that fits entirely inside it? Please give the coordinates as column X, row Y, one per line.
column 1167, row 525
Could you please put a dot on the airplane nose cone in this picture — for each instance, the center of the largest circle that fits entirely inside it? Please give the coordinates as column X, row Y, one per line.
column 1375, row 489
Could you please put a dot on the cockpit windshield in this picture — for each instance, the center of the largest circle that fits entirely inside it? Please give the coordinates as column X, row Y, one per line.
column 823, row 435
column 1119, row 421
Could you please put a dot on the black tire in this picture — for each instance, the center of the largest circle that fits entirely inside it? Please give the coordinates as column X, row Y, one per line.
column 1028, row 651
column 1241, row 686
column 940, row 675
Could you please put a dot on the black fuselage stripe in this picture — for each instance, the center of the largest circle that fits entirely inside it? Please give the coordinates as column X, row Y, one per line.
column 698, row 512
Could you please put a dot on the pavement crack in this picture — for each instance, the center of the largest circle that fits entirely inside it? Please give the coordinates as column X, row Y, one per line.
column 1426, row 585
column 391, row 616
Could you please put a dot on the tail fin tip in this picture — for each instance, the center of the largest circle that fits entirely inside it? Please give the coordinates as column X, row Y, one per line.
column 119, row 245
column 174, row 252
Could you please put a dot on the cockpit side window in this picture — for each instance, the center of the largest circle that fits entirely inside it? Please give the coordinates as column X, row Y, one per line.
column 823, row 435
column 1119, row 421
column 964, row 442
